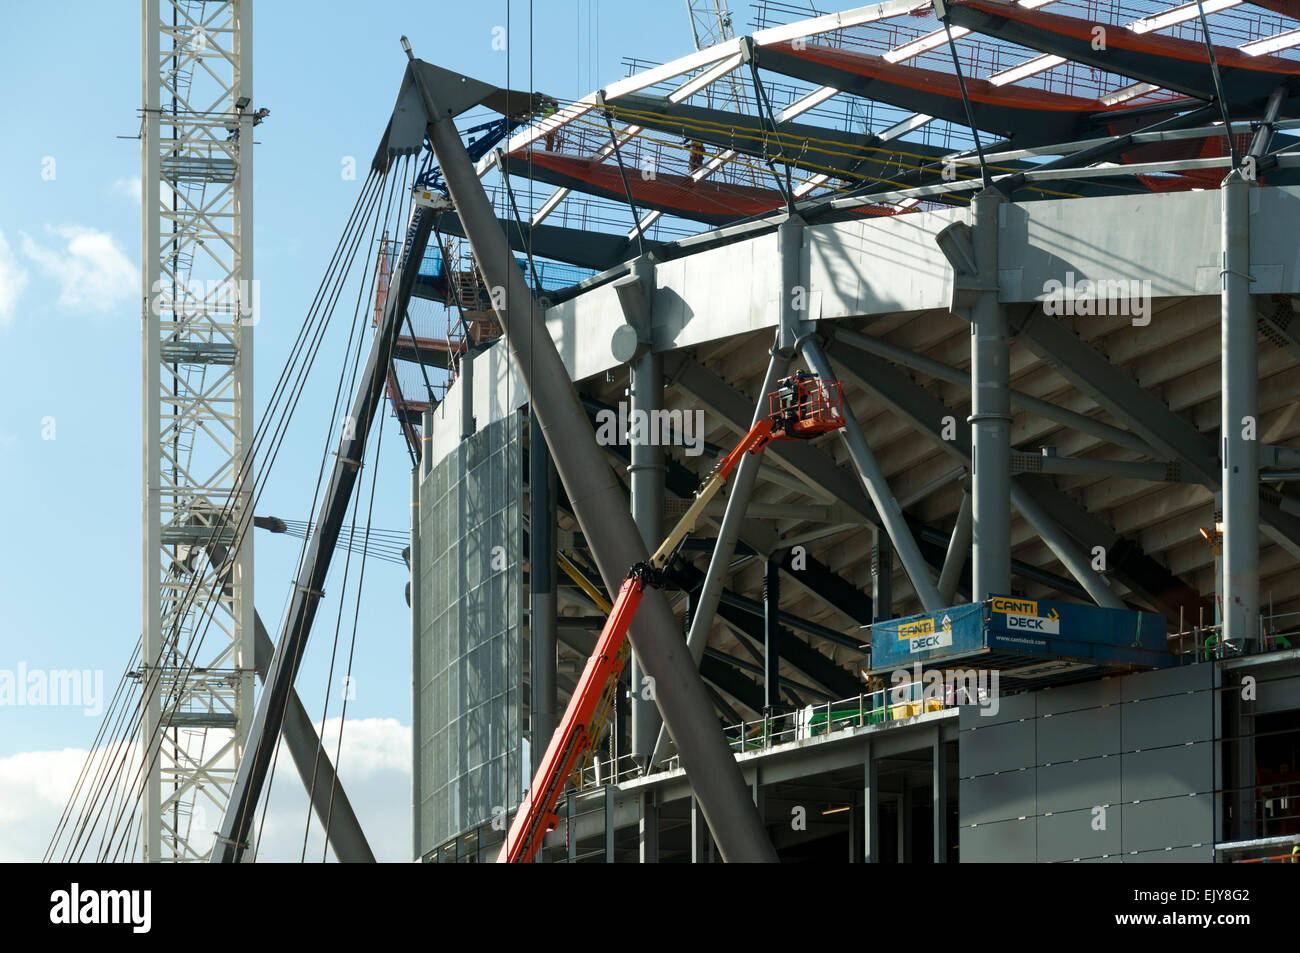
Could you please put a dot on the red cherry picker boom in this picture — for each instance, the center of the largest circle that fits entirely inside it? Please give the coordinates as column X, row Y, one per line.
column 802, row 407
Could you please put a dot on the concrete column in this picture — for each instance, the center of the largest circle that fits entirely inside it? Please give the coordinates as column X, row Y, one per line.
column 990, row 417
column 648, row 827
column 772, row 703
column 1240, row 421
column 647, row 472
column 541, row 592
column 939, row 797
column 870, row 806
column 958, row 550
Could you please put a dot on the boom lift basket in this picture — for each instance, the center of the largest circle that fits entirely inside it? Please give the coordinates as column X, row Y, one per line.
column 804, row 405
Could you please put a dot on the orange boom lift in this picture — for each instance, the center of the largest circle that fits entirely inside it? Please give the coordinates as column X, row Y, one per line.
column 802, row 407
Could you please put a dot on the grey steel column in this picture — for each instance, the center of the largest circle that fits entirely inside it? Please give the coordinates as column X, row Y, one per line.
column 592, row 487
column 772, row 703
column 990, row 419
column 646, row 472
column 873, row 479
column 958, row 550
column 705, row 607
column 542, row 598
column 1240, row 422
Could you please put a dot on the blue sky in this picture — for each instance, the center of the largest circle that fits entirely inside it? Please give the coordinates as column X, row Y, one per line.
column 69, row 318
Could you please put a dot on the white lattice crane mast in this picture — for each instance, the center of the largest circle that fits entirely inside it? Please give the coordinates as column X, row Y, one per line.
column 199, row 305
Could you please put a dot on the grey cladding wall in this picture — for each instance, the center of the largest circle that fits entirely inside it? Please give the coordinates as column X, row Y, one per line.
column 1139, row 747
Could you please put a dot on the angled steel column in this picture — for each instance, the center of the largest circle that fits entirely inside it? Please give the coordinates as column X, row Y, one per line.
column 705, row 607
column 1065, row 548
column 1240, row 420
column 593, row 489
column 958, row 550
column 891, row 514
column 541, row 594
column 990, row 419
column 328, row 799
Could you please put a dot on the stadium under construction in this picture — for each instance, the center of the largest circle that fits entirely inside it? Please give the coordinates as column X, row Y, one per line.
column 873, row 436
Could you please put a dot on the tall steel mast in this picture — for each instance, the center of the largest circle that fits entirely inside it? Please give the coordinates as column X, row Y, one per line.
column 199, row 306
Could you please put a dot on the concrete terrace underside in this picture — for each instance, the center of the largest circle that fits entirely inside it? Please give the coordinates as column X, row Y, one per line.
column 714, row 314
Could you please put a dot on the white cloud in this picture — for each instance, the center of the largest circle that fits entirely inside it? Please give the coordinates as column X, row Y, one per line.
column 375, row 772
column 13, row 278
column 129, row 187
column 90, row 271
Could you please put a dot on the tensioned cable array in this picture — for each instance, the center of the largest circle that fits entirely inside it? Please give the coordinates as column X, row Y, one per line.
column 98, row 818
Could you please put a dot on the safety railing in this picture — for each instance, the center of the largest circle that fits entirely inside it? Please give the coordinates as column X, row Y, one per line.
column 811, row 721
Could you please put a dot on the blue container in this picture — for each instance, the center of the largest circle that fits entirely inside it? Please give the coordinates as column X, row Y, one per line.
column 1006, row 631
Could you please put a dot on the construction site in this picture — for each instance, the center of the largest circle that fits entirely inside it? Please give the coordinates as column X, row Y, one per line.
column 872, row 436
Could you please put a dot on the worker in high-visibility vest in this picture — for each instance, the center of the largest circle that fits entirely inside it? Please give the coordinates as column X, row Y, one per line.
column 1295, row 854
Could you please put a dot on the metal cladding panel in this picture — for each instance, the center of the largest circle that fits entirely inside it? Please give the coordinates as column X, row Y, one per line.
column 1011, row 708
column 1153, row 825
column 1005, row 747
column 1077, row 749
column 1055, row 700
column 1075, row 835
column 1090, row 733
column 1078, row 785
column 1177, row 855
column 995, row 797
column 1006, row 842
column 1168, row 772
